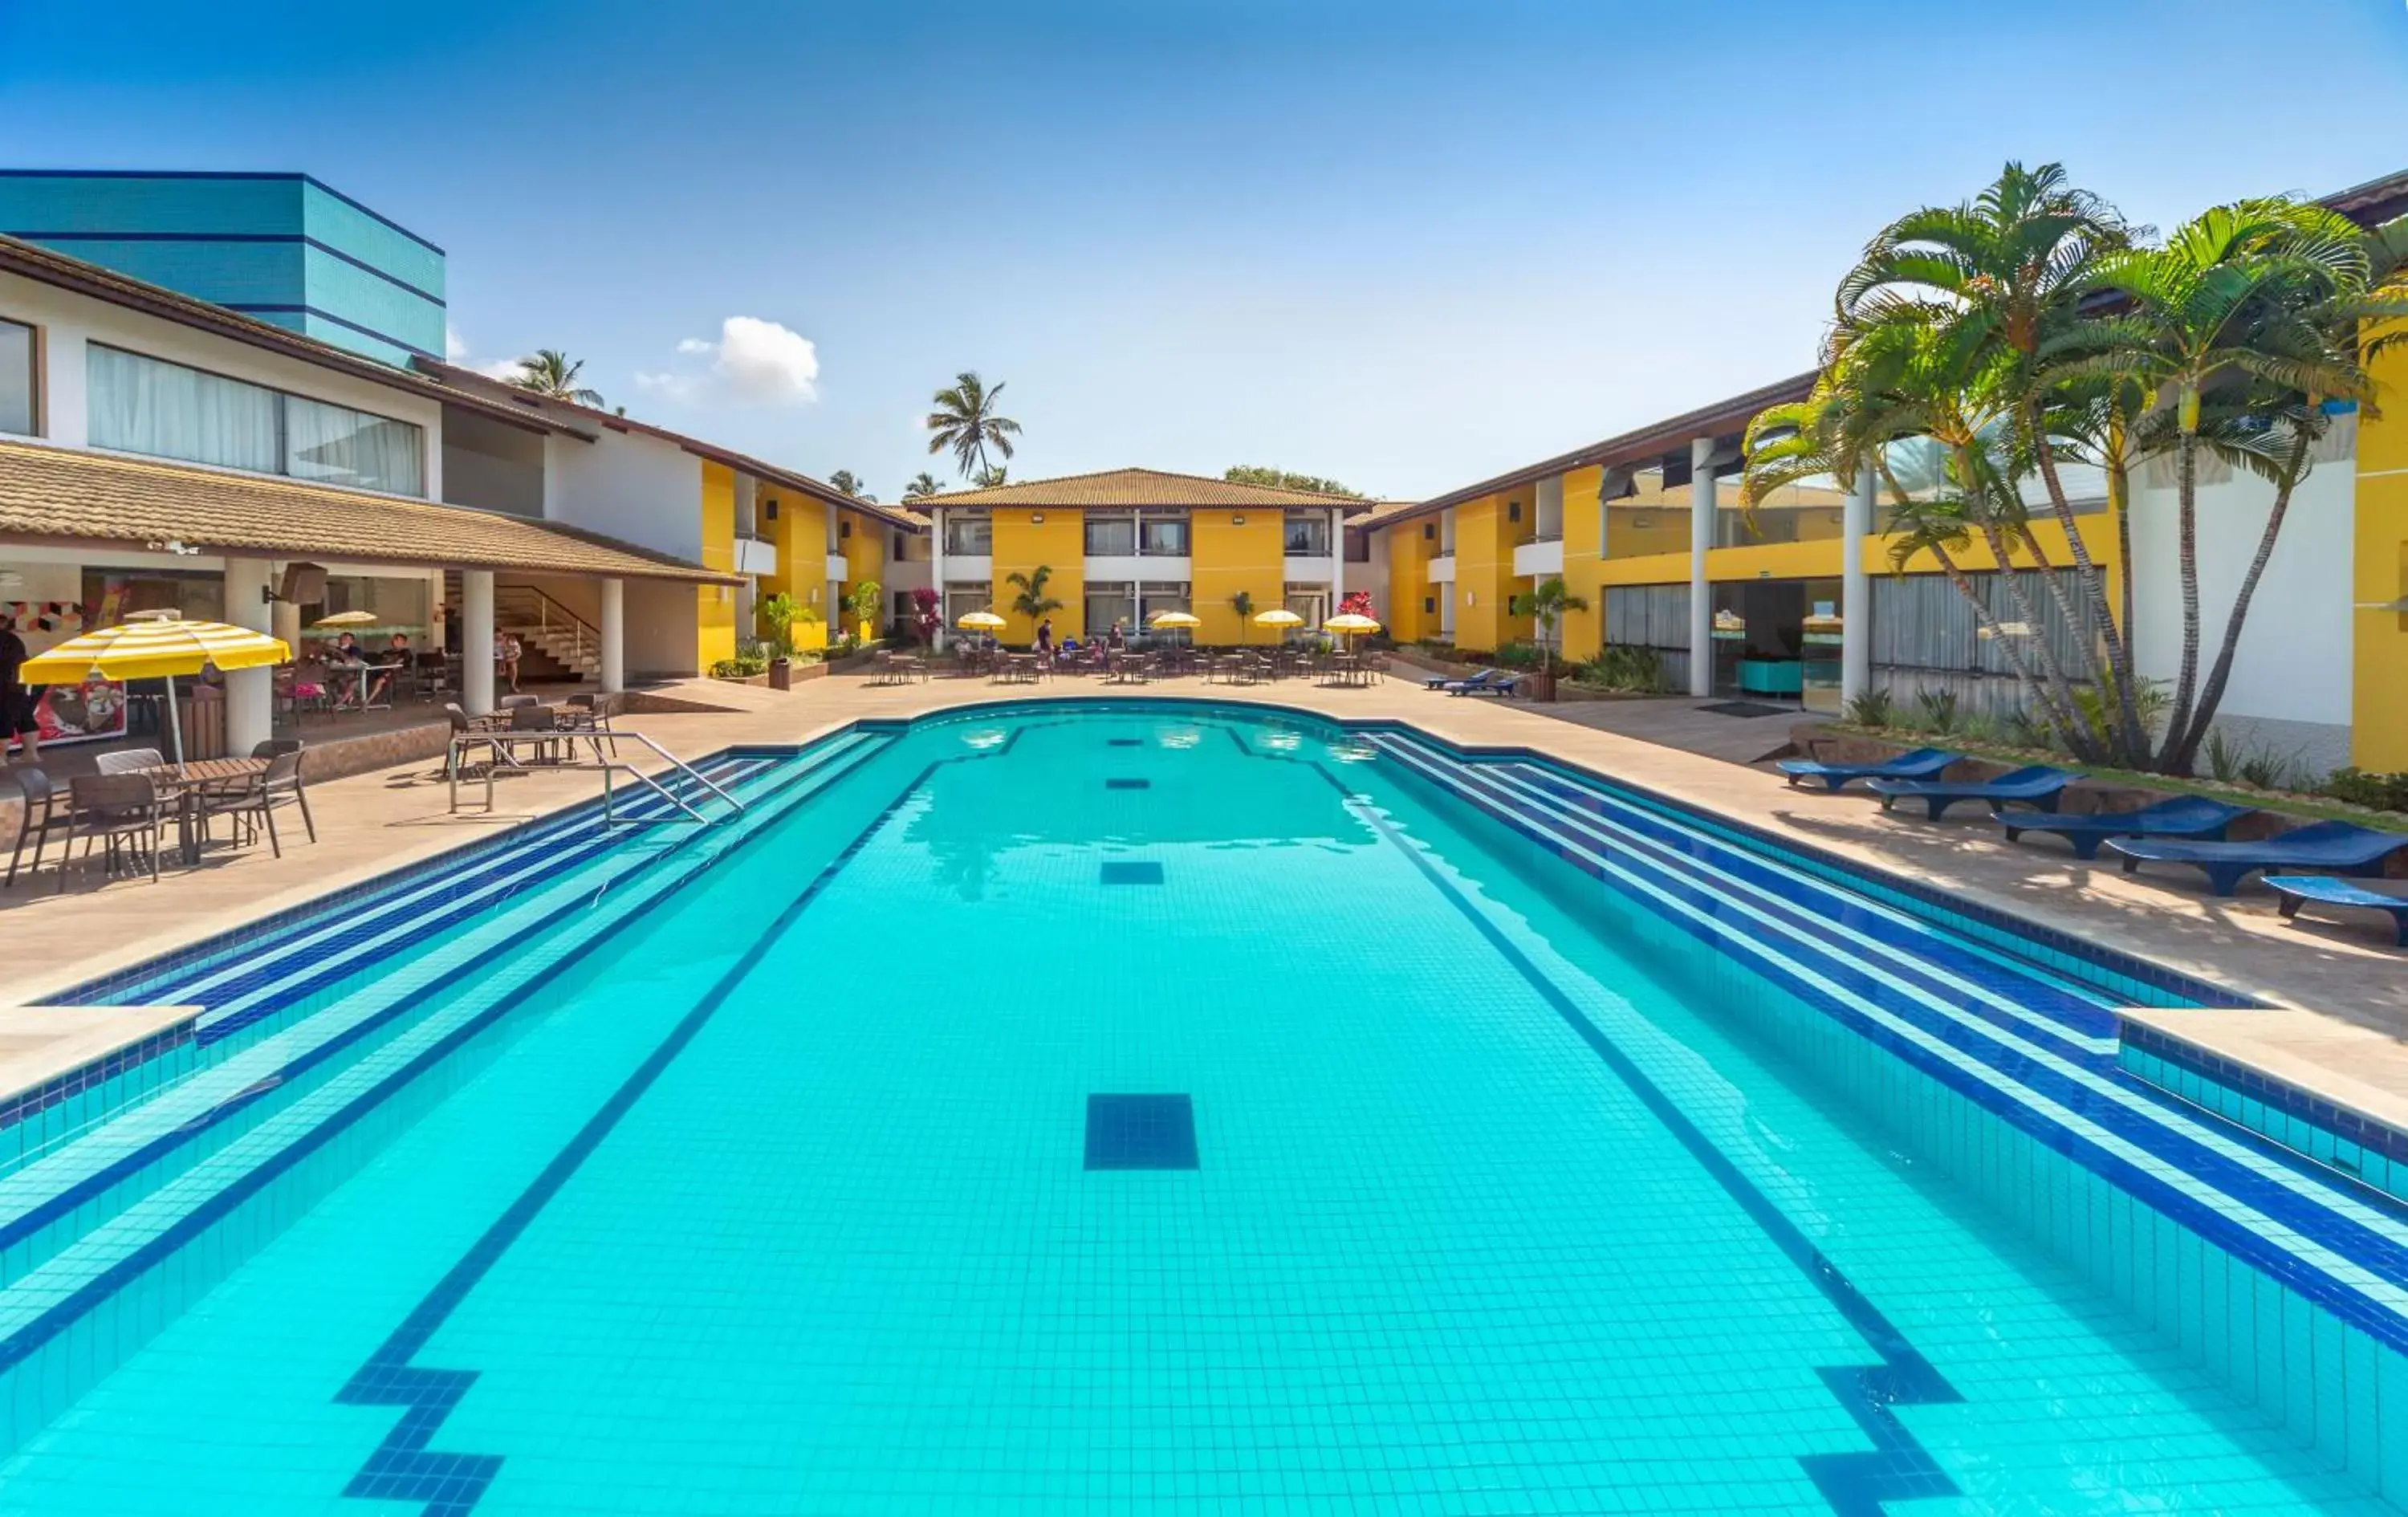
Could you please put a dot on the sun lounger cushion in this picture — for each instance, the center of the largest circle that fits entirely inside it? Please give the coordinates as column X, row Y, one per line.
column 2342, row 846
column 2038, row 783
column 2297, row 890
column 1922, row 764
column 2181, row 816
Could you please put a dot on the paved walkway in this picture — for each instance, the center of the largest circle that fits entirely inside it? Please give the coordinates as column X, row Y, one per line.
column 372, row 822
column 1685, row 722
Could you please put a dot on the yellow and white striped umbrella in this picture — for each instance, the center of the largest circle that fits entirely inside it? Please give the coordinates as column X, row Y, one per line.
column 1175, row 618
column 1277, row 615
column 979, row 620
column 145, row 648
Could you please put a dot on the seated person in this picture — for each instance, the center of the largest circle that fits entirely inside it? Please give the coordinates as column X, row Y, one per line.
column 397, row 656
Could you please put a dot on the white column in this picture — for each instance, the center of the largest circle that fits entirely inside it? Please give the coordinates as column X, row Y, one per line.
column 936, row 570
column 1702, row 539
column 251, row 693
column 615, row 635
column 1856, row 593
column 476, row 641
column 1336, row 561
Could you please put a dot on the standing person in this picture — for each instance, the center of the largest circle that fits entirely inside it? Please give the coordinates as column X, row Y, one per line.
column 506, row 653
column 1045, row 640
column 1116, row 640
column 17, row 701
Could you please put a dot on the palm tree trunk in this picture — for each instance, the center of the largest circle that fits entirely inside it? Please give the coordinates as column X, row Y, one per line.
column 2132, row 745
column 2187, row 554
column 2186, row 742
column 2119, row 500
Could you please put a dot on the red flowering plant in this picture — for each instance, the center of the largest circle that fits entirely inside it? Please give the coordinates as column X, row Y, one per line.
column 925, row 617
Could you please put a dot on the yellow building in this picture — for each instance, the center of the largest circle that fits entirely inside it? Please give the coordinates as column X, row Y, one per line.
column 1122, row 545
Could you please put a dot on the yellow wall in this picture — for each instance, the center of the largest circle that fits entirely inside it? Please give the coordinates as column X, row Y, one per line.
column 1409, row 556
column 1225, row 558
column 2379, row 639
column 800, row 536
column 865, row 558
column 1059, row 542
column 1483, row 570
column 714, row 611
column 1583, row 632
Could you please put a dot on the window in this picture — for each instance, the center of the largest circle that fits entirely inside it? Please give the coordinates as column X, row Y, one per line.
column 1111, row 536
column 1308, row 535
column 898, row 546
column 1430, row 604
column 1429, row 531
column 962, row 597
column 1111, row 605
column 141, row 404
column 1152, row 599
column 844, row 530
column 770, row 510
column 337, row 445
column 970, row 534
column 1358, row 545
column 1512, row 511
column 1163, row 537
column 16, row 377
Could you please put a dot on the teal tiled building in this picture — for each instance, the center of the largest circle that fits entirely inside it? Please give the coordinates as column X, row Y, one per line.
column 281, row 246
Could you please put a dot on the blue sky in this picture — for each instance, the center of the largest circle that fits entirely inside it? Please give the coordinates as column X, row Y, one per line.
column 1406, row 245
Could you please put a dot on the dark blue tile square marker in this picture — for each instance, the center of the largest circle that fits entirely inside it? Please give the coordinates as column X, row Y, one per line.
column 1141, row 1132
column 1128, row 784
column 1125, row 742
column 1146, row 873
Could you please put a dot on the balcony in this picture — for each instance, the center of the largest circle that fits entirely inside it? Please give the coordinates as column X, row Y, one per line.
column 1542, row 555
column 1442, row 569
column 755, row 555
column 837, row 569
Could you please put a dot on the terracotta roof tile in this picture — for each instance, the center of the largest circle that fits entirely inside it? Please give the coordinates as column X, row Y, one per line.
column 1132, row 488
column 64, row 494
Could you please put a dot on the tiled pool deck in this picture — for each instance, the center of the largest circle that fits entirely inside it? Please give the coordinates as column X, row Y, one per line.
column 2344, row 985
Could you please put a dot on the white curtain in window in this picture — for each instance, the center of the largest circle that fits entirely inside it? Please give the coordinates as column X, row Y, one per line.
column 337, row 445
column 141, row 404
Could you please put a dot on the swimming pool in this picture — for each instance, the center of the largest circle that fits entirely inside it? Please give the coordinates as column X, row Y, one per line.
column 1159, row 1105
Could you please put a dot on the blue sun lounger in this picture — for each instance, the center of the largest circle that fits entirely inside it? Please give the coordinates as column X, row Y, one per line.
column 1489, row 683
column 1923, row 764
column 2298, row 890
column 2342, row 846
column 2035, row 784
column 2195, row 817
column 1457, row 686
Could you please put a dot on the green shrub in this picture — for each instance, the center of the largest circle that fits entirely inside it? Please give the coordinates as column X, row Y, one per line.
column 1520, row 655
column 742, row 667
column 1939, row 711
column 1622, row 667
column 2383, row 792
column 1873, row 709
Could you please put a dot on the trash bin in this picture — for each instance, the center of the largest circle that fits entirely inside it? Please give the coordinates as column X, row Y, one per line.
column 781, row 674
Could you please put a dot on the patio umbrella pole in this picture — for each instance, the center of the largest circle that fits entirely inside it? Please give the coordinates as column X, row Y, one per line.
column 175, row 725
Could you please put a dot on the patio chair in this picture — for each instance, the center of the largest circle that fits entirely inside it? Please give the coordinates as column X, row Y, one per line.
column 251, row 800
column 2037, row 785
column 588, row 713
column 127, row 760
column 1497, row 682
column 512, row 703
column 274, row 745
column 2298, row 890
column 2194, row 817
column 468, row 734
column 539, row 725
column 1922, row 764
column 122, row 813
column 2342, row 847
column 43, row 813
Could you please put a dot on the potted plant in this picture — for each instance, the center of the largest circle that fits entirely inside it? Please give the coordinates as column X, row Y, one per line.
column 1545, row 607
column 1243, row 604
column 862, row 600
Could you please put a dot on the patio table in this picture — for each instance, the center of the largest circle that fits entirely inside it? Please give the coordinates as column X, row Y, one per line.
column 184, row 783
column 359, row 673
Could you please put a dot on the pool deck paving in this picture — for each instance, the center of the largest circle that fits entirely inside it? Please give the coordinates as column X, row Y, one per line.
column 2344, row 986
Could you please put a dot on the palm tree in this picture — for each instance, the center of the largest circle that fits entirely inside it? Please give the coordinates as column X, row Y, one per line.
column 922, row 485
column 1243, row 604
column 2006, row 275
column 967, row 423
column 2240, row 298
column 553, row 373
column 1033, row 602
column 845, row 482
column 1545, row 605
column 987, row 478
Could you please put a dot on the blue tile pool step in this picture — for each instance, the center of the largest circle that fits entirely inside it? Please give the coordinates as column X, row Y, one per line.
column 254, row 980
column 176, row 1191
column 2365, row 1147
column 2015, row 1041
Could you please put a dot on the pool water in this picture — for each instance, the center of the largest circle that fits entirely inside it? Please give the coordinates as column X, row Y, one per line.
column 807, row 1185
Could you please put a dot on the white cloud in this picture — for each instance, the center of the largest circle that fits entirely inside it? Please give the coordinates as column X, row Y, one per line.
column 455, row 347
column 498, row 368
column 753, row 360
column 668, row 386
